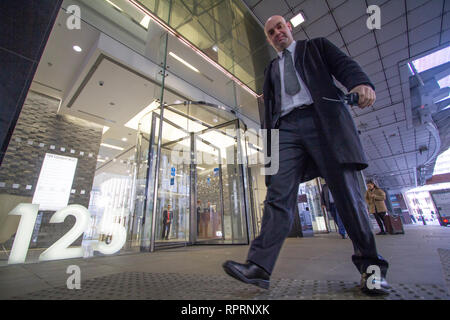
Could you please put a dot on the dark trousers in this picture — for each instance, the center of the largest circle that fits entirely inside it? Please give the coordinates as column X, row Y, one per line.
column 300, row 143
column 337, row 219
column 379, row 216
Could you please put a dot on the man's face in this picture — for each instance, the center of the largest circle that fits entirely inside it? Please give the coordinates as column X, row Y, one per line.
column 278, row 32
column 370, row 186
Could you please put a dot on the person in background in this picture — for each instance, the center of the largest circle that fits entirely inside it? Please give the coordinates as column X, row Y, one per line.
column 167, row 220
column 375, row 198
column 199, row 217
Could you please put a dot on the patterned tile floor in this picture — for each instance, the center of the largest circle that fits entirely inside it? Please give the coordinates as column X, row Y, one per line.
column 174, row 286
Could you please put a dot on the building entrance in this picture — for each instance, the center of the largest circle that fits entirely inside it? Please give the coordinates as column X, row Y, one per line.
column 198, row 191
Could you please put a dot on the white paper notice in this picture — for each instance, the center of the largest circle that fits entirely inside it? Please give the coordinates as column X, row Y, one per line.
column 55, row 182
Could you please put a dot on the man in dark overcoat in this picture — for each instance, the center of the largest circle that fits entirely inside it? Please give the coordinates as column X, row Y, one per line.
column 317, row 137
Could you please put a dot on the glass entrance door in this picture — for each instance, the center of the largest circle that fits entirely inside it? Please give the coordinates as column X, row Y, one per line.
column 201, row 195
column 209, row 189
column 220, row 191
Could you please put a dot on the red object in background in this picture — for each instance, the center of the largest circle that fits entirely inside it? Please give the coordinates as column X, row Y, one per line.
column 393, row 224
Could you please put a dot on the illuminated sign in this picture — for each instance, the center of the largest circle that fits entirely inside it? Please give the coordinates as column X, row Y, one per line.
column 60, row 249
column 55, row 182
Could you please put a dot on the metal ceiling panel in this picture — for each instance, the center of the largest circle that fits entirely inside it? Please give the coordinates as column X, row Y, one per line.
column 393, row 59
column 365, row 43
column 409, row 28
column 394, row 45
column 424, row 13
column 265, row 9
column 294, row 3
column 367, row 57
column 373, row 68
column 392, row 10
column 427, row 44
column 377, row 77
column 424, row 31
column 446, row 21
column 390, row 30
column 335, row 3
column 354, row 31
column 313, row 10
column 322, row 27
column 349, row 11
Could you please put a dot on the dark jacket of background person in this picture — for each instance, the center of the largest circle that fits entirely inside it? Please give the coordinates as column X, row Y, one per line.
column 312, row 59
column 375, row 200
column 167, row 218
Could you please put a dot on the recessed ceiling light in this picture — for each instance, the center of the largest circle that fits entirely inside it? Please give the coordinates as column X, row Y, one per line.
column 184, row 62
column 298, row 19
column 215, row 48
column 114, row 5
column 134, row 122
column 111, row 146
column 145, row 21
column 77, row 48
column 124, row 139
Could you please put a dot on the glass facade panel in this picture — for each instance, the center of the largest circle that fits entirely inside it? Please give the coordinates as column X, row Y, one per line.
column 225, row 31
column 313, row 205
column 200, row 168
column 87, row 144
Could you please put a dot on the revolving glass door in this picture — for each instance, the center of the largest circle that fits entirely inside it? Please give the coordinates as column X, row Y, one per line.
column 198, row 192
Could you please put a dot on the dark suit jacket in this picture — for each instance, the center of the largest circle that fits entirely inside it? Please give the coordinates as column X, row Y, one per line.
column 166, row 216
column 316, row 61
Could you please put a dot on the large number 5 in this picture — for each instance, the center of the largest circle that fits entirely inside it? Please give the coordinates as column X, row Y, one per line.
column 60, row 249
column 119, row 237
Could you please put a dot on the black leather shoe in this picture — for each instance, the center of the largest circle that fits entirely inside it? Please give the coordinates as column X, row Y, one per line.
column 381, row 233
column 378, row 286
column 249, row 273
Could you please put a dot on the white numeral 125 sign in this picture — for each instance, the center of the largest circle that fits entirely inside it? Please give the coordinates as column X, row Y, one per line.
column 60, row 249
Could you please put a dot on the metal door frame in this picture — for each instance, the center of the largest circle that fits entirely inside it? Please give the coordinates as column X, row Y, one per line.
column 245, row 208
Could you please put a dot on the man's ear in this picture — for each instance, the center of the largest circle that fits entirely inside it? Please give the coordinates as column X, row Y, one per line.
column 289, row 25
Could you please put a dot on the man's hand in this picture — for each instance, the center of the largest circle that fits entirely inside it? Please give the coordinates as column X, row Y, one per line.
column 366, row 95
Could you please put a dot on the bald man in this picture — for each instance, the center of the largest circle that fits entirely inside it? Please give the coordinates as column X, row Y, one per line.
column 317, row 137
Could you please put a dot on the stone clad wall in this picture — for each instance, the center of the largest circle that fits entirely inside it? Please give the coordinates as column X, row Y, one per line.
column 40, row 130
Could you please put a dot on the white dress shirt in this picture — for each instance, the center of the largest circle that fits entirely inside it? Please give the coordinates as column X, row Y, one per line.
column 303, row 97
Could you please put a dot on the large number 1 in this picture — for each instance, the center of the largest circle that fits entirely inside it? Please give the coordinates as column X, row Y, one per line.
column 60, row 249
column 28, row 213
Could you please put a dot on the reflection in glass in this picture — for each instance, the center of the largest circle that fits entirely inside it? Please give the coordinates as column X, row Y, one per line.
column 224, row 30
column 201, row 177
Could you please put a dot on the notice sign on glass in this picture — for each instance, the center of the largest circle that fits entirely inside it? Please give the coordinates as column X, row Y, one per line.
column 55, row 182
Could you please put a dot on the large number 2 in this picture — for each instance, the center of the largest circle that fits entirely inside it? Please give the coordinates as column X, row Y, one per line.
column 60, row 249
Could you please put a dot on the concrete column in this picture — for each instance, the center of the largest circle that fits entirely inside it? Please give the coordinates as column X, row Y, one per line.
column 26, row 26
